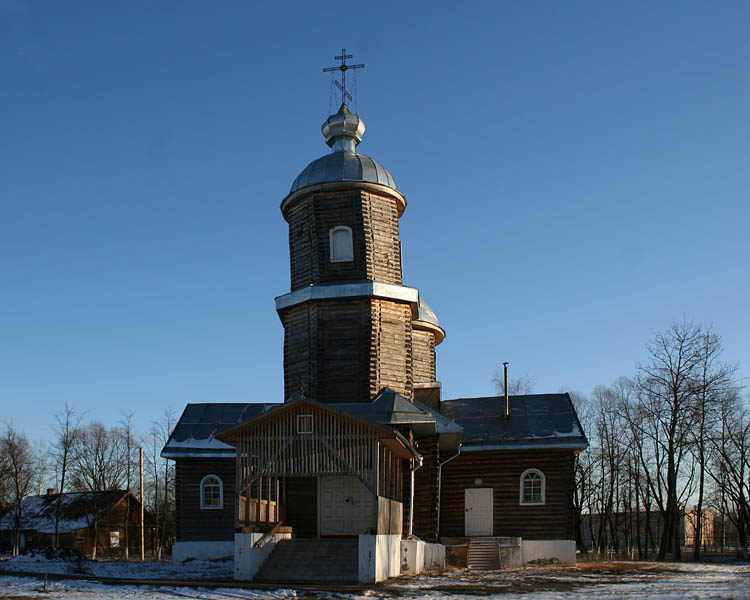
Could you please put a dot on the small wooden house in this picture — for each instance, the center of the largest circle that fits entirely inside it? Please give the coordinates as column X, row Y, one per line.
column 363, row 444
column 82, row 514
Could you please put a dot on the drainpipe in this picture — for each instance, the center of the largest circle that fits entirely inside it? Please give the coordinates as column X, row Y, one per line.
column 440, row 484
column 420, row 460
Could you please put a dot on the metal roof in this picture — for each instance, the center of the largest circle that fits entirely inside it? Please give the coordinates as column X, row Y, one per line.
column 196, row 430
column 343, row 131
column 343, row 166
column 536, row 421
column 426, row 314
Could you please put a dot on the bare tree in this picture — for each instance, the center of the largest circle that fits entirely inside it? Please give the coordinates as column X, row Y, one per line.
column 98, row 465
column 130, row 441
column 19, row 458
column 517, row 386
column 66, row 425
column 161, row 480
column 667, row 382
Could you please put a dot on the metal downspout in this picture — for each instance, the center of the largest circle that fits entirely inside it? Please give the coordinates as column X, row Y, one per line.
column 440, row 484
column 420, row 460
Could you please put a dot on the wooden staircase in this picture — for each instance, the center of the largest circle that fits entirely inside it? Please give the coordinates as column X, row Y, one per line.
column 483, row 554
column 311, row 561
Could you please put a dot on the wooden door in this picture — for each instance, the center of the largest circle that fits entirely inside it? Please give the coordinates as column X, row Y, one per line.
column 478, row 512
column 347, row 507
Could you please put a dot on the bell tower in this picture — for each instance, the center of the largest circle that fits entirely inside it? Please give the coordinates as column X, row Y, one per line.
column 349, row 322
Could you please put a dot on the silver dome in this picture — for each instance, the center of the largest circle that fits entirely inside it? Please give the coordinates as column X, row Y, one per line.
column 343, row 132
column 426, row 314
column 344, row 166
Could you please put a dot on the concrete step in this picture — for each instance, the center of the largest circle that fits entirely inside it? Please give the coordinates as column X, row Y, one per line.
column 483, row 554
column 310, row 561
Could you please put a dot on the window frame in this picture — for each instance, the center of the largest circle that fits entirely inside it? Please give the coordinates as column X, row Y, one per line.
column 302, row 419
column 331, row 246
column 204, row 482
column 543, row 485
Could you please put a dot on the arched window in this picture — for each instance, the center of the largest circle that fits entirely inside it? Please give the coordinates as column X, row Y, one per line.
column 342, row 249
column 212, row 492
column 532, row 487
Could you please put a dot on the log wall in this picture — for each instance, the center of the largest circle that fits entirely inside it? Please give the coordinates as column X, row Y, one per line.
column 194, row 523
column 426, row 490
column 373, row 220
column 423, row 356
column 501, row 470
column 347, row 350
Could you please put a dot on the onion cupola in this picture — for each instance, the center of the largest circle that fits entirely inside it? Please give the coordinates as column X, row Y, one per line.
column 343, row 132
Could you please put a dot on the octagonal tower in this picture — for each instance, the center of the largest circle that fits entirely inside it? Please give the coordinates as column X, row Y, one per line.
column 351, row 327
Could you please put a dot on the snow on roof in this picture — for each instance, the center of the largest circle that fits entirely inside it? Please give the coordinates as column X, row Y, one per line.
column 38, row 512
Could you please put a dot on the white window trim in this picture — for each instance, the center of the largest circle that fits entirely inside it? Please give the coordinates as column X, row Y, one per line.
column 331, row 233
column 544, row 488
column 203, row 495
column 312, row 425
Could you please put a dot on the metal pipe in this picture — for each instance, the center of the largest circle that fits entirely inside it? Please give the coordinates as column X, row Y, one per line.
column 440, row 484
column 143, row 550
column 420, row 460
column 505, row 385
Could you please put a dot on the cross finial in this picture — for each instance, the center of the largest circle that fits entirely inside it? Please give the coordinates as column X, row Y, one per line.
column 343, row 67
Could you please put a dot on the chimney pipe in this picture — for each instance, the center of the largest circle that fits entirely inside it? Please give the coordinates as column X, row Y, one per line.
column 505, row 385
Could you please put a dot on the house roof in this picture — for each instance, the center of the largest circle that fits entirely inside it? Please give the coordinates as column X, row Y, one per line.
column 38, row 512
column 196, row 430
column 536, row 421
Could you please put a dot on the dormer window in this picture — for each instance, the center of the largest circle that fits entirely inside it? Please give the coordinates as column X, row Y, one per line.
column 342, row 249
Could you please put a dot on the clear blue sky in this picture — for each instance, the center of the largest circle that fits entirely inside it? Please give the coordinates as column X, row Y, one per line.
column 577, row 173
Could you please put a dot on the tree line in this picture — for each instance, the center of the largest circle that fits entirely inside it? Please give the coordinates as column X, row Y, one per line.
column 669, row 446
column 90, row 457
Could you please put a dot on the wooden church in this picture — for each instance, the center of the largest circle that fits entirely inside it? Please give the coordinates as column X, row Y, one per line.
column 364, row 471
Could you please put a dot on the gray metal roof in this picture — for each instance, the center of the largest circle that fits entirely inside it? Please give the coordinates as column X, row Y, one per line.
column 343, row 166
column 343, row 131
column 194, row 434
column 426, row 314
column 536, row 421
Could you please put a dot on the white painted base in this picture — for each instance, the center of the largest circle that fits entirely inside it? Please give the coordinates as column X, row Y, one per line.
column 379, row 557
column 562, row 550
column 249, row 560
column 418, row 556
column 201, row 550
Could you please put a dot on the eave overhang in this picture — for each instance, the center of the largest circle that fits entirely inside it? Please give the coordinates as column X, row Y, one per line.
column 345, row 185
column 367, row 289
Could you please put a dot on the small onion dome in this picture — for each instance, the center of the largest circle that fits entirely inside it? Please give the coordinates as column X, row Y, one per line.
column 427, row 320
column 343, row 131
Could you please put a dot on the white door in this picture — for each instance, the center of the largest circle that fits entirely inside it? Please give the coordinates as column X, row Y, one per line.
column 347, row 507
column 478, row 512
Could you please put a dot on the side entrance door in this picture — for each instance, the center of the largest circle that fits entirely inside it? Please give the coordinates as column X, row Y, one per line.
column 478, row 512
column 347, row 507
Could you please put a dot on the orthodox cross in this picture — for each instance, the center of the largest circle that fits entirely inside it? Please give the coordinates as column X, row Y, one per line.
column 343, row 67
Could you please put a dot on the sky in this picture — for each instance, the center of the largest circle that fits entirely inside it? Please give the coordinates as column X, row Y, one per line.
column 577, row 179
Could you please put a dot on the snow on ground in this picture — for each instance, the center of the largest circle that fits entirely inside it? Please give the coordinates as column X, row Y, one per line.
column 190, row 570
column 606, row 581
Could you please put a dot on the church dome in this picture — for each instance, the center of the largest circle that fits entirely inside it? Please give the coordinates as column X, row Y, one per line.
column 343, row 131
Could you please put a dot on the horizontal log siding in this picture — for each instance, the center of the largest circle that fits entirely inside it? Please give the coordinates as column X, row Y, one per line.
column 391, row 348
column 501, row 470
column 194, row 523
column 426, row 490
column 382, row 241
column 423, row 356
column 347, row 350
column 373, row 220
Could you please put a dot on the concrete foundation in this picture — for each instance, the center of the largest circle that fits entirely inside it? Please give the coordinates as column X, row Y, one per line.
column 418, row 557
column 542, row 551
column 379, row 557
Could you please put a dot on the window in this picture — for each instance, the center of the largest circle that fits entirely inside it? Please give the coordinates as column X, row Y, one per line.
column 212, row 492
column 532, row 487
column 79, row 539
column 340, row 239
column 304, row 424
column 114, row 539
